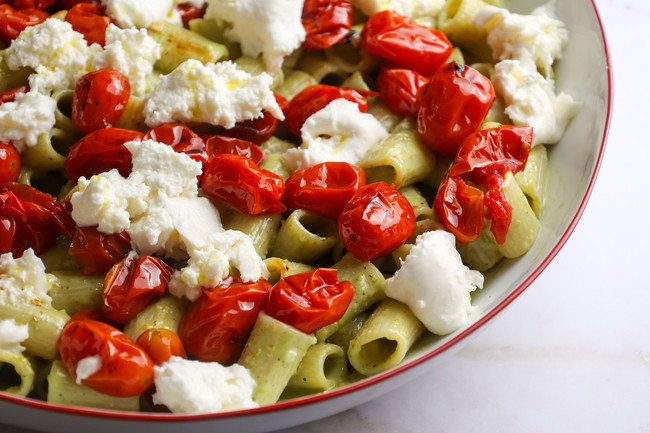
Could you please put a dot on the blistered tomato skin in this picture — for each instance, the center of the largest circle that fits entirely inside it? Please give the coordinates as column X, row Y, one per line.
column 9, row 162
column 220, row 144
column 375, row 221
column 90, row 20
column 10, row 95
column 401, row 40
column 400, row 88
column 161, row 344
column 125, row 369
column 310, row 300
column 237, row 182
column 215, row 326
column 181, row 138
column 96, row 252
column 131, row 283
column 14, row 21
column 453, row 106
column 323, row 188
column 99, row 99
column 327, row 22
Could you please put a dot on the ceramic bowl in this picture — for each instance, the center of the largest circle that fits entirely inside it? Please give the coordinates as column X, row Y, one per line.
column 584, row 72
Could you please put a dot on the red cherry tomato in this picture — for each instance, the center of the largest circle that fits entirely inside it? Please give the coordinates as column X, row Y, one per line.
column 32, row 4
column 10, row 95
column 453, row 106
column 101, row 151
column 99, row 99
column 219, row 144
column 125, row 369
column 96, row 252
column 401, row 40
column 313, row 99
column 327, row 22
column 237, row 182
column 257, row 130
column 131, row 283
column 90, row 20
column 9, row 162
column 399, row 89
column 69, row 4
column 161, row 344
column 483, row 158
column 13, row 21
column 188, row 12
column 375, row 221
column 181, row 138
column 310, row 300
column 215, row 326
column 323, row 188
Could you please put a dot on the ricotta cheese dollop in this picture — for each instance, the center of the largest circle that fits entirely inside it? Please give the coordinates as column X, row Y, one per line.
column 435, row 284
column 23, row 280
column 138, row 13
column 24, row 119
column 410, row 8
column 87, row 367
column 12, row 335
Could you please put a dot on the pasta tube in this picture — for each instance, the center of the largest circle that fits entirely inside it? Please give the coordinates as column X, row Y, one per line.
column 165, row 312
column 305, row 237
column 279, row 268
column 16, row 373
column 532, row 180
column 74, row 292
column 324, row 367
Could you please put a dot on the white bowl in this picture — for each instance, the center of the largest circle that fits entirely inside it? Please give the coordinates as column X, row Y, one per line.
column 585, row 73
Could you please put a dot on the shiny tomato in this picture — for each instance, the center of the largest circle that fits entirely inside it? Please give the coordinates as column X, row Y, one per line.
column 257, row 130
column 181, row 138
column 101, row 151
column 32, row 4
column 99, row 99
column 313, row 99
column 13, row 22
column 90, row 20
column 215, row 326
column 9, row 162
column 219, row 144
column 237, row 182
column 401, row 40
column 96, row 252
column 460, row 208
column 189, row 11
column 311, row 300
column 399, row 89
column 327, row 22
column 10, row 95
column 453, row 106
column 131, row 283
column 124, row 368
column 323, row 188
column 69, row 4
column 161, row 344
column 375, row 221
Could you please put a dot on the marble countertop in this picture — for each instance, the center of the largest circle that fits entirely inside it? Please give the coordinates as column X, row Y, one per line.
column 573, row 352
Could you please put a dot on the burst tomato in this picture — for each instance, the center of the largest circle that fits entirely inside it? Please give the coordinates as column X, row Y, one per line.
column 161, row 344
column 219, row 144
column 10, row 95
column 96, row 252
column 189, row 11
column 9, row 162
column 327, row 22
column 323, row 188
column 181, row 138
column 399, row 89
column 375, row 221
column 90, row 20
column 13, row 22
column 99, row 99
column 311, row 300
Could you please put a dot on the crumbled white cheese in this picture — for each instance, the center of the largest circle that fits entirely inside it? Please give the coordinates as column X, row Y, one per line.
column 131, row 52
column 410, row 8
column 12, row 334
column 23, row 120
column 23, row 280
column 186, row 386
column 272, row 28
column 338, row 132
column 138, row 13
column 219, row 94
column 58, row 54
column 530, row 100
column 87, row 367
column 435, row 284
column 539, row 37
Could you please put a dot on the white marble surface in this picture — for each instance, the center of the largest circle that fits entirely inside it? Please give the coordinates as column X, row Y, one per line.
column 572, row 354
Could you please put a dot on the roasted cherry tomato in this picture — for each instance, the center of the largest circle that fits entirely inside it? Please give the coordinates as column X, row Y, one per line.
column 69, row 4
column 99, row 99
column 10, row 95
column 215, row 326
column 13, row 21
column 161, row 344
column 27, row 219
column 181, row 138
column 375, row 221
column 131, row 283
column 327, row 22
column 257, row 130
column 323, row 188
column 123, row 369
column 237, row 182
column 313, row 99
column 401, row 40
column 399, row 89
column 453, row 106
column 311, row 300
column 90, row 20
column 9, row 162
column 188, row 11
column 101, row 151
column 219, row 144
column 96, row 252
column 32, row 4
column 483, row 158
